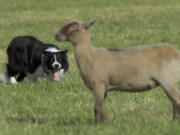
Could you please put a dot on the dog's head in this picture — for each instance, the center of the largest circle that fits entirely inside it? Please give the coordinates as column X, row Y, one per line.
column 54, row 62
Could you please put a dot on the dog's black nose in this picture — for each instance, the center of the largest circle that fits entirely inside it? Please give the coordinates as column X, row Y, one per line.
column 56, row 65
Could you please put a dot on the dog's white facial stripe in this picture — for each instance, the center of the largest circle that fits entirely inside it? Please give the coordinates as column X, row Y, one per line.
column 56, row 62
column 52, row 49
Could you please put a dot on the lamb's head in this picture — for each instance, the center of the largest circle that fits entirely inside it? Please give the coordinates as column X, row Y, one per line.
column 73, row 31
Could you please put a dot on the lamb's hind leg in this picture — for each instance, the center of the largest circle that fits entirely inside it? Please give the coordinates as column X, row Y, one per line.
column 171, row 90
column 99, row 93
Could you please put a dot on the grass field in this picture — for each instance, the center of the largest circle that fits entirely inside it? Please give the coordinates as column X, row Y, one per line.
column 66, row 108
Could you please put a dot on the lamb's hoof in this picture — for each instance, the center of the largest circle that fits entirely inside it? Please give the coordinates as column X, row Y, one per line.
column 102, row 121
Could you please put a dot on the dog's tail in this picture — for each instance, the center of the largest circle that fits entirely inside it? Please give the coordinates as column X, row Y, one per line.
column 4, row 77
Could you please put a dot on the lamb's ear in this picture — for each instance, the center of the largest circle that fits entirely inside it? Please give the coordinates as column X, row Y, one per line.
column 73, row 27
column 88, row 23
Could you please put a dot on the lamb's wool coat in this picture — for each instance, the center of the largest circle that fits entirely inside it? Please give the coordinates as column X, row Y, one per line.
column 132, row 69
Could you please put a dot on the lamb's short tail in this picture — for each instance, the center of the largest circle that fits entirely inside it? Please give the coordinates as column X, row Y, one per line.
column 4, row 77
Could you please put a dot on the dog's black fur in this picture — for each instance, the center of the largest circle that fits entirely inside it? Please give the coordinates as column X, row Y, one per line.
column 26, row 54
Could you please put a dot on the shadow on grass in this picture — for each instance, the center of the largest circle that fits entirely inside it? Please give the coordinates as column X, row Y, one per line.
column 44, row 121
column 74, row 121
column 26, row 119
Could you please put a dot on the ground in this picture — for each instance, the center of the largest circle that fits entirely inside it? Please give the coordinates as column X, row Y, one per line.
column 66, row 108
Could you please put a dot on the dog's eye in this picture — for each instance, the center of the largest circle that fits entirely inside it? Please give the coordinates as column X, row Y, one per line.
column 46, row 53
column 58, row 59
column 51, row 60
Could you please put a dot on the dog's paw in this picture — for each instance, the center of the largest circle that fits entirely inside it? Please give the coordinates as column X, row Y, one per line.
column 13, row 80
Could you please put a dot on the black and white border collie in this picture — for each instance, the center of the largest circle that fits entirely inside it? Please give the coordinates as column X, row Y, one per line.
column 29, row 57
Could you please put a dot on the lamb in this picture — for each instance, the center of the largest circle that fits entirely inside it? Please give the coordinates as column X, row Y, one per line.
column 133, row 69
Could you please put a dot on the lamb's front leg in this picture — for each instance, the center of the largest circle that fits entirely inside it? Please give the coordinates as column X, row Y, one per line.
column 99, row 93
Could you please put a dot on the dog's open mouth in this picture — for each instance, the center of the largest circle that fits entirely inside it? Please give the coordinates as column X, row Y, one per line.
column 56, row 76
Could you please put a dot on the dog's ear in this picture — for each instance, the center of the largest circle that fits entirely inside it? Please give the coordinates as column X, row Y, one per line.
column 87, row 24
column 45, row 53
column 64, row 52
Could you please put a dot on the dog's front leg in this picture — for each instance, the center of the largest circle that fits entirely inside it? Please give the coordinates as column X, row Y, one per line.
column 13, row 80
column 32, row 78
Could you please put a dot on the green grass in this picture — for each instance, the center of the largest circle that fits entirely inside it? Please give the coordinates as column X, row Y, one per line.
column 66, row 108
